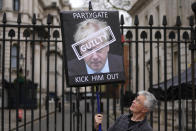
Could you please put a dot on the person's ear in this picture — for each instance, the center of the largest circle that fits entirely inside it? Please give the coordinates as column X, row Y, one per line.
column 145, row 110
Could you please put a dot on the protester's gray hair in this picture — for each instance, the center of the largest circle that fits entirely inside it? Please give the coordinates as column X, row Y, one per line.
column 87, row 27
column 150, row 101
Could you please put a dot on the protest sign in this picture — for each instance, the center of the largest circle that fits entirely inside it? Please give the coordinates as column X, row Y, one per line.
column 92, row 47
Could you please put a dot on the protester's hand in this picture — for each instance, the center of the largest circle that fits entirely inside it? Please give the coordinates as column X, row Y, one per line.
column 98, row 120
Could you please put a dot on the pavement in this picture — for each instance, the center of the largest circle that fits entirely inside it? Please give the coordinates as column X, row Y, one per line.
column 26, row 117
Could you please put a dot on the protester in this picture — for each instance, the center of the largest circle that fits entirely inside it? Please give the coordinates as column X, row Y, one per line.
column 137, row 119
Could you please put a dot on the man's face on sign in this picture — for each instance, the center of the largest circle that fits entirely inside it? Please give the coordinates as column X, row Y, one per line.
column 94, row 45
column 97, row 59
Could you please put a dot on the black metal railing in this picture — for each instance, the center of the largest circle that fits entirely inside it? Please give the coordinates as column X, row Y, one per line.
column 159, row 59
column 27, row 38
column 167, row 75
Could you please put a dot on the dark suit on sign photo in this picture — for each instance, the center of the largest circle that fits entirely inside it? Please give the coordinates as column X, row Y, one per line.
column 78, row 67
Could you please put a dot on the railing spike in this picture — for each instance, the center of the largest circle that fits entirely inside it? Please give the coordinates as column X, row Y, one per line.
column 122, row 20
column 26, row 33
column 4, row 18
column 34, row 19
column 19, row 18
column 56, row 34
column 158, row 35
column 11, row 33
column 172, row 35
column 49, row 19
column 178, row 21
column 164, row 20
column 143, row 35
column 151, row 20
column 185, row 35
column 191, row 21
column 136, row 22
column 129, row 35
column 90, row 6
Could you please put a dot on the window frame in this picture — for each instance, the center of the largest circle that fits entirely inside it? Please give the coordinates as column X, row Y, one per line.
column 14, row 57
column 16, row 5
column 1, row 4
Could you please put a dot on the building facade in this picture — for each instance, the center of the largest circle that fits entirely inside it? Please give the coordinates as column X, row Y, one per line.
column 157, row 74
column 27, row 8
column 158, row 9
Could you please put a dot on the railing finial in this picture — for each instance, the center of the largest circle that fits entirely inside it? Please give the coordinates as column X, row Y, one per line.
column 122, row 20
column 56, row 34
column 178, row 21
column 151, row 20
column 191, row 21
column 19, row 18
column 164, row 20
column 172, row 35
column 4, row 18
column 136, row 21
column 143, row 35
column 49, row 19
column 11, row 33
column 129, row 35
column 90, row 6
column 158, row 35
column 34, row 19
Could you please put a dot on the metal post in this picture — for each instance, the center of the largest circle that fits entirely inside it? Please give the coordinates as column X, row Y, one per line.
column 98, row 104
column 3, row 72
column 193, row 48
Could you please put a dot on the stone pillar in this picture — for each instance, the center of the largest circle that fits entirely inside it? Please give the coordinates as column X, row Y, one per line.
column 7, row 5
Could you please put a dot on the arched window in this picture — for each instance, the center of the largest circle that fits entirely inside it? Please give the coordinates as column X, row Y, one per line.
column 13, row 56
column 16, row 5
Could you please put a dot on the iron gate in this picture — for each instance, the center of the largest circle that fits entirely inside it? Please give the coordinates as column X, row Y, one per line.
column 154, row 57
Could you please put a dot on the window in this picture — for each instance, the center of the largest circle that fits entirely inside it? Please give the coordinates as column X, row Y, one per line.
column 1, row 4
column 16, row 5
column 13, row 56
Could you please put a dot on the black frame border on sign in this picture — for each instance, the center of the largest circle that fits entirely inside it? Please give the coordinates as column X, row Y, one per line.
column 114, row 49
